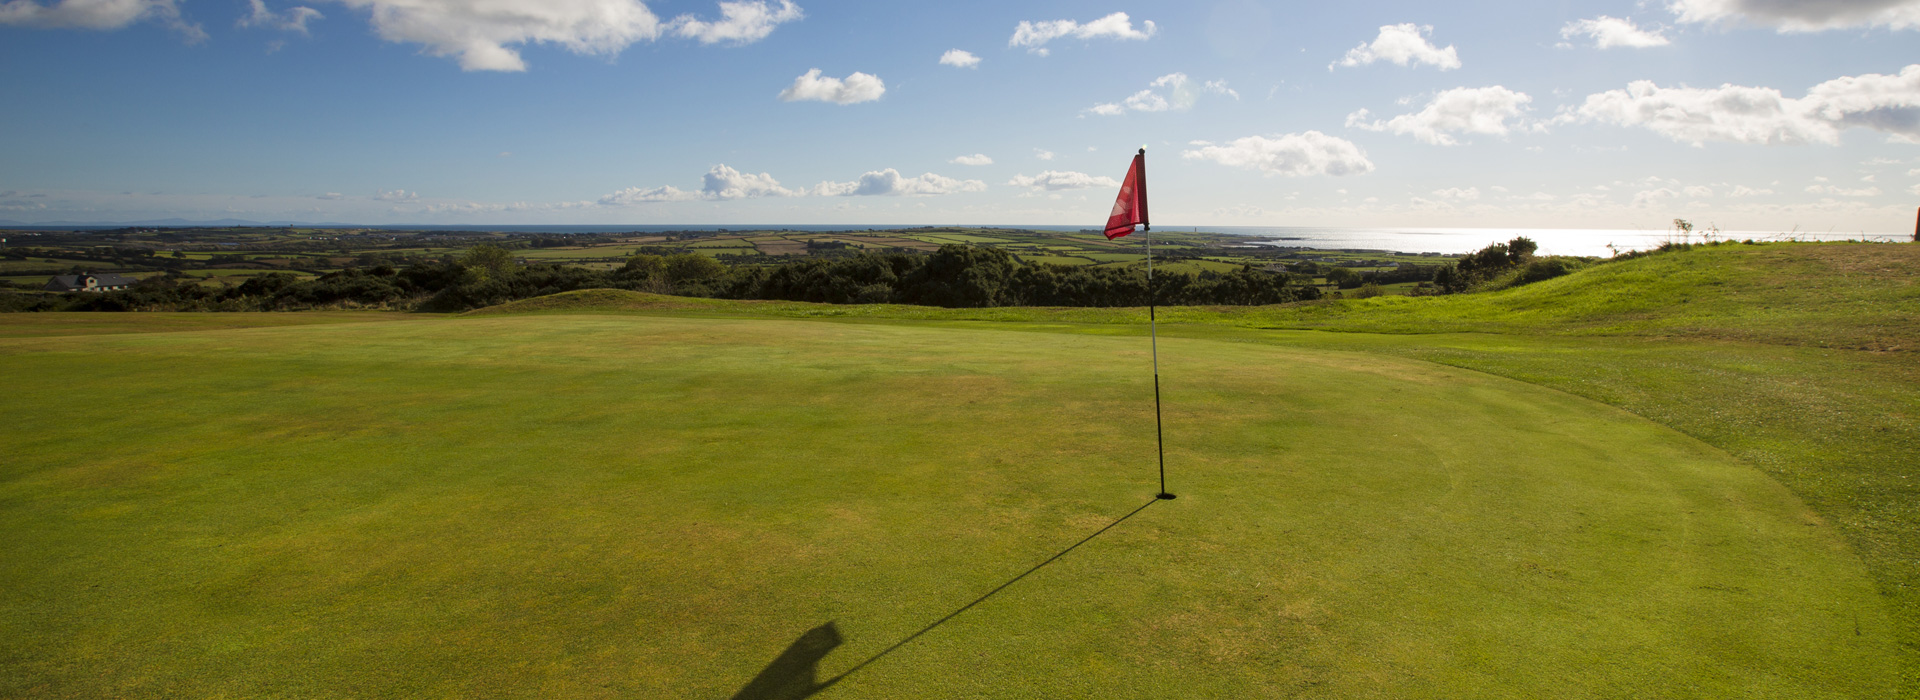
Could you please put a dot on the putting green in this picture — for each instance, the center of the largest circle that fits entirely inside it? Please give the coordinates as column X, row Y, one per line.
column 589, row 506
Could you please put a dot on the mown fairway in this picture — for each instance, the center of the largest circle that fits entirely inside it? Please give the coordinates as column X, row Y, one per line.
column 638, row 506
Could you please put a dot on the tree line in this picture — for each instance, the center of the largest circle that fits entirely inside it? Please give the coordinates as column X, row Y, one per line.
column 953, row 276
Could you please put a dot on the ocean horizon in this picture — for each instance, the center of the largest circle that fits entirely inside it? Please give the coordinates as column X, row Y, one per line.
column 1584, row 242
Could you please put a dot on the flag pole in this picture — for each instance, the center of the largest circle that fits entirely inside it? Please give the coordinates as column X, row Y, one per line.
column 1153, row 331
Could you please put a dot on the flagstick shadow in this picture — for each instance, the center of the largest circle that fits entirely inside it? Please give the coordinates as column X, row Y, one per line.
column 791, row 675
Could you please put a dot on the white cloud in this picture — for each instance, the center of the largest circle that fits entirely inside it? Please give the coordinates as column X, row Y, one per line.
column 1292, row 155
column 478, row 33
column 1035, row 35
column 1460, row 110
column 1743, row 191
column 1219, row 87
column 1697, row 191
column 395, row 195
column 293, row 20
column 1843, row 192
column 331, row 195
column 101, row 15
column 1610, row 32
column 1802, row 16
column 858, row 87
column 1740, row 114
column 1043, row 154
column 1455, row 193
column 719, row 184
column 740, row 22
column 889, row 182
column 723, row 182
column 1052, row 180
column 1179, row 95
column 1401, row 44
column 959, row 59
column 1914, row 172
column 636, row 195
column 975, row 159
column 1648, row 198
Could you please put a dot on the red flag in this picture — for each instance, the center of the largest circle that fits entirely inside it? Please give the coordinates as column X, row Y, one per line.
column 1131, row 207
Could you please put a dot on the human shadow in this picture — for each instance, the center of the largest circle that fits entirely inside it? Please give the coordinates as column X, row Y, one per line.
column 791, row 676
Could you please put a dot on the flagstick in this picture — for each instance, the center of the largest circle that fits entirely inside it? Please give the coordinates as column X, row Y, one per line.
column 1153, row 329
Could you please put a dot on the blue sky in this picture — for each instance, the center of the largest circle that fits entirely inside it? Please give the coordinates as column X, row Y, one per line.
column 1753, row 115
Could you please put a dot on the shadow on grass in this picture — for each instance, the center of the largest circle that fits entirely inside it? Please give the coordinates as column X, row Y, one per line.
column 791, row 675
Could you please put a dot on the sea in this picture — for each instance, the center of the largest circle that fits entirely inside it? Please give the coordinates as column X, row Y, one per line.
column 1585, row 242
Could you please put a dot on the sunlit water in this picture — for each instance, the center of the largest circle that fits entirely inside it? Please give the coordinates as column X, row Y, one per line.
column 1593, row 242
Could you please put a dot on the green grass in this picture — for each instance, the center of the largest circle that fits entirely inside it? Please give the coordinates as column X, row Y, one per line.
column 644, row 506
column 611, row 494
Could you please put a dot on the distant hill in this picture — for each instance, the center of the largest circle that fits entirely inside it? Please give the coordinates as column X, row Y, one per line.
column 1849, row 295
column 1852, row 295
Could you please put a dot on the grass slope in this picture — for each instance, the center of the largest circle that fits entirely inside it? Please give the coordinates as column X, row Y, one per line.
column 639, row 506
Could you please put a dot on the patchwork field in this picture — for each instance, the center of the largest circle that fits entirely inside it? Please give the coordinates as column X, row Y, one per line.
column 662, row 503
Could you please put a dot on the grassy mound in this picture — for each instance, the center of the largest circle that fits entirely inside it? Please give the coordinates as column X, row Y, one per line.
column 638, row 506
column 1843, row 295
column 1829, row 295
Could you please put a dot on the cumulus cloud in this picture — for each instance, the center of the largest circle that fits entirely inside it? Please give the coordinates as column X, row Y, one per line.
column 395, row 195
column 478, row 34
column 1612, row 32
column 1653, row 197
column 1035, row 35
column 1458, row 111
column 890, row 183
column 293, row 20
column 330, row 195
column 720, row 183
column 636, row 195
column 959, row 59
column 975, row 159
column 1740, row 114
column 1842, row 191
column 1043, row 154
column 858, row 87
column 1292, row 155
column 1173, row 91
column 1743, row 191
column 1454, row 193
column 1809, row 16
column 1054, row 180
column 100, row 15
column 1401, row 44
column 723, row 182
column 740, row 22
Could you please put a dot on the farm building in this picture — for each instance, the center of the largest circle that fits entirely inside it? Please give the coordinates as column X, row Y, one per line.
column 89, row 282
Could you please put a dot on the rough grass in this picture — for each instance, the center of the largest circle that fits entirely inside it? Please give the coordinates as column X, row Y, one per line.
column 594, row 506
